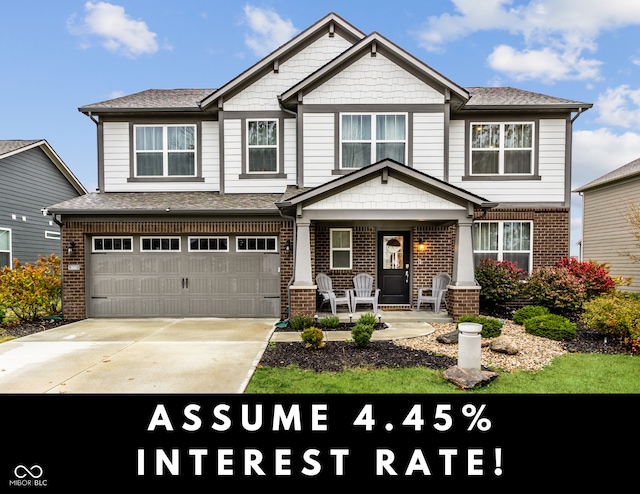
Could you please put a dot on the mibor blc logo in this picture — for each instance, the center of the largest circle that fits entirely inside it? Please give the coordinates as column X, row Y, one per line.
column 25, row 476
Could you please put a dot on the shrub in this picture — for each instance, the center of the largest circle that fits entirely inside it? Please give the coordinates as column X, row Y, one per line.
column 527, row 312
column 594, row 277
column 31, row 290
column 313, row 337
column 300, row 321
column 362, row 333
column 491, row 328
column 329, row 322
column 500, row 281
column 368, row 319
column 551, row 326
column 615, row 314
column 555, row 288
column 2, row 314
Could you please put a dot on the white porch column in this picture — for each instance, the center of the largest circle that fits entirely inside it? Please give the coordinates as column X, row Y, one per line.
column 302, row 274
column 463, row 271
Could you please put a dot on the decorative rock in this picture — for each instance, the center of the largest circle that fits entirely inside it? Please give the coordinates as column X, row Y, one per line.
column 468, row 378
column 504, row 345
column 448, row 338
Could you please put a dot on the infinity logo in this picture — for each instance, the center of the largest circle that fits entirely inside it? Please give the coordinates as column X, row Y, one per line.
column 35, row 471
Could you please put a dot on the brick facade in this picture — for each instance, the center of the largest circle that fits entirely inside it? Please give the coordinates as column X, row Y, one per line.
column 551, row 230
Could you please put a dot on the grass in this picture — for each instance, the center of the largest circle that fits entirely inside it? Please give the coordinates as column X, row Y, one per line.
column 567, row 374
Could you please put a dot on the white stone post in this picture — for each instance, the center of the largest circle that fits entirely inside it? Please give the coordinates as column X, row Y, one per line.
column 469, row 345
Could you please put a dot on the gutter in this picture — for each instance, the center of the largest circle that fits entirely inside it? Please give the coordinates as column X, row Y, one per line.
column 293, row 271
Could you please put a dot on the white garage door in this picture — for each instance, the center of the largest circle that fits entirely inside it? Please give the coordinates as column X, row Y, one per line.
column 188, row 276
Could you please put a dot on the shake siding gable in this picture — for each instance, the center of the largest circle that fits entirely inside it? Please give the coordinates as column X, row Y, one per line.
column 261, row 95
column 374, row 81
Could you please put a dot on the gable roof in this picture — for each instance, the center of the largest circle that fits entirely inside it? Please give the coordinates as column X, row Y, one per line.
column 168, row 203
column 384, row 167
column 373, row 43
column 629, row 170
column 330, row 23
column 12, row 147
column 502, row 98
column 152, row 99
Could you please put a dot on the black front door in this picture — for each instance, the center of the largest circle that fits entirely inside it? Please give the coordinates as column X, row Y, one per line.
column 393, row 267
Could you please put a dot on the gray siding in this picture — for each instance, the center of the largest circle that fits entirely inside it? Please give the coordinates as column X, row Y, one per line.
column 29, row 181
column 606, row 233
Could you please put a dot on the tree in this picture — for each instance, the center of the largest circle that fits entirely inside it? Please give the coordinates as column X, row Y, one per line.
column 633, row 218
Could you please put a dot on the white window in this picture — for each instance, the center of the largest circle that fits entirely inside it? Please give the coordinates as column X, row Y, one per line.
column 112, row 244
column 502, row 148
column 160, row 244
column 165, row 151
column 52, row 235
column 262, row 146
column 257, row 244
column 5, row 248
column 208, row 244
column 369, row 138
column 341, row 248
column 503, row 241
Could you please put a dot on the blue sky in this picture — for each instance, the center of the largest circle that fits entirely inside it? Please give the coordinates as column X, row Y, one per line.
column 58, row 56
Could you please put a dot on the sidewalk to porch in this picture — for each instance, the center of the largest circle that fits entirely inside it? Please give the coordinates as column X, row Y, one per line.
column 401, row 323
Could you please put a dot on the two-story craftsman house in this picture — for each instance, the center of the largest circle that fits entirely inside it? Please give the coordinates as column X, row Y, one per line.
column 229, row 201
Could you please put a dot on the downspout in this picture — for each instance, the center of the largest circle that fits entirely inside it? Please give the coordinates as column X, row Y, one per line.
column 293, row 250
column 292, row 218
column 298, row 141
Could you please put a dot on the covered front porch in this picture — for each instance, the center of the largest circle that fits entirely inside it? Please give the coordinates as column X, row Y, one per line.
column 400, row 226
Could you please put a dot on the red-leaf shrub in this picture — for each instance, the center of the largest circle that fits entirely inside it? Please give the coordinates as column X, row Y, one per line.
column 594, row 277
column 557, row 289
column 500, row 281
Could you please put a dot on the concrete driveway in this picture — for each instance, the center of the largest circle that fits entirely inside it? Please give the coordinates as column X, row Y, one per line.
column 136, row 356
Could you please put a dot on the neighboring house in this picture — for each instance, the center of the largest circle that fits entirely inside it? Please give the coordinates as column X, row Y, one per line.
column 228, row 201
column 32, row 176
column 606, row 233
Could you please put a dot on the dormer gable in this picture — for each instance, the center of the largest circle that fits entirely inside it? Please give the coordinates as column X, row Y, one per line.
column 375, row 45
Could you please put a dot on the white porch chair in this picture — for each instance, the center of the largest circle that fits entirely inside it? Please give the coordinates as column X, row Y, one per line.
column 325, row 289
column 438, row 292
column 363, row 291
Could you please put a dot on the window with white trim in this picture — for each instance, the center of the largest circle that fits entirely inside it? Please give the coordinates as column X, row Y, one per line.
column 165, row 150
column 501, row 148
column 160, row 244
column 5, row 248
column 341, row 246
column 257, row 244
column 503, row 241
column 262, row 146
column 52, row 235
column 369, row 138
column 112, row 244
column 208, row 244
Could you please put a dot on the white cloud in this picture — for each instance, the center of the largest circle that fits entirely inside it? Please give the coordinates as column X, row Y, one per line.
column 544, row 64
column 268, row 30
column 119, row 33
column 619, row 106
column 555, row 33
column 597, row 152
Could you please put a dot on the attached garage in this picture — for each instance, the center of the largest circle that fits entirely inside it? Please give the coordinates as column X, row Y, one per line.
column 183, row 276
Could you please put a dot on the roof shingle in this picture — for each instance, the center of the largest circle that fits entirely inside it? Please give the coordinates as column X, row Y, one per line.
column 628, row 170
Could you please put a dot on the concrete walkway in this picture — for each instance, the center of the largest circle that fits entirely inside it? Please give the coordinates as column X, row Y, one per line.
column 192, row 355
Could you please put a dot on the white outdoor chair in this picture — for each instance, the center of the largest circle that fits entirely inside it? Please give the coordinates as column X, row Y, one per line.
column 325, row 289
column 438, row 292
column 363, row 291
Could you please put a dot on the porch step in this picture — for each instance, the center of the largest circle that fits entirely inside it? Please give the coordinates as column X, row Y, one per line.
column 394, row 315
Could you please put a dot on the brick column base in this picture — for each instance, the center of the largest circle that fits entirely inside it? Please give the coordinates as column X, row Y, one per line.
column 303, row 300
column 463, row 300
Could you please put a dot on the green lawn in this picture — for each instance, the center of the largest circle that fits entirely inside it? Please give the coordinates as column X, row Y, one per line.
column 570, row 373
